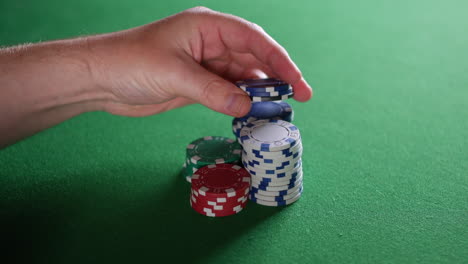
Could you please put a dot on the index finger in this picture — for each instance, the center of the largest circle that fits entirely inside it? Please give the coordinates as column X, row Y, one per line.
column 242, row 36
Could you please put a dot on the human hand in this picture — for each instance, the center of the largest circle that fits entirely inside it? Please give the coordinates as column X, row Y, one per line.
column 190, row 57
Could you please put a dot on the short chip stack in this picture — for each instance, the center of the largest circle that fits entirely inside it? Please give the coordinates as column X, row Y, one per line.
column 220, row 190
column 268, row 89
column 210, row 150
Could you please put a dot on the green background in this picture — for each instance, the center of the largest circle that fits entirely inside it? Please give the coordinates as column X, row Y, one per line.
column 385, row 146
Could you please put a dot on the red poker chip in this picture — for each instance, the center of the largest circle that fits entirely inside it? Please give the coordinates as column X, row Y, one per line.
column 202, row 199
column 221, row 199
column 216, row 205
column 217, row 209
column 216, row 213
column 221, row 180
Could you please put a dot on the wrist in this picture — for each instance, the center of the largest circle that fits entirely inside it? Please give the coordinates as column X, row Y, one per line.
column 90, row 93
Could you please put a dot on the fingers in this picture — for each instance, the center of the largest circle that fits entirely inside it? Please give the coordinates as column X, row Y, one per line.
column 302, row 91
column 242, row 36
column 253, row 74
column 212, row 91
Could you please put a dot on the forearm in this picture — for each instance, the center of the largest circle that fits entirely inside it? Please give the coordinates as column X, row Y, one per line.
column 44, row 84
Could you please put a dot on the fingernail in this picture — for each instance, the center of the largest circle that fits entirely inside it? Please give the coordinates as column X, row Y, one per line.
column 237, row 103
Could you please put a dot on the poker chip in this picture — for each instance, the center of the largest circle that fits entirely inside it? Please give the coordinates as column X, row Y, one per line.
column 220, row 180
column 272, row 98
column 272, row 163
column 254, row 190
column 284, row 177
column 262, row 85
column 276, row 198
column 269, row 135
column 297, row 182
column 208, row 211
column 270, row 94
column 276, row 203
column 210, row 150
column 274, row 171
column 213, row 150
column 219, row 189
column 269, row 110
column 285, row 153
column 276, row 182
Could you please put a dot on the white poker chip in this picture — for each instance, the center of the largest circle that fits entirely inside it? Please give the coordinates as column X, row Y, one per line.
column 283, row 154
column 277, row 203
column 271, row 164
column 273, row 171
column 254, row 190
column 275, row 175
column 275, row 182
column 277, row 188
column 276, row 198
column 269, row 135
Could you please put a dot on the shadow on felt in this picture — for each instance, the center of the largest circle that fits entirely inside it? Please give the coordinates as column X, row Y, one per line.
column 100, row 221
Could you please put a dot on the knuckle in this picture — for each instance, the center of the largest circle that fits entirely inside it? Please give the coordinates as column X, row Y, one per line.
column 255, row 27
column 210, row 88
column 199, row 9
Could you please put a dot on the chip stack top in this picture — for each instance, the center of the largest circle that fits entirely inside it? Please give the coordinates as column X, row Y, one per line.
column 269, row 89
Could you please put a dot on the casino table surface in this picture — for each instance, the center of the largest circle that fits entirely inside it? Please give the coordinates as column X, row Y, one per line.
column 385, row 146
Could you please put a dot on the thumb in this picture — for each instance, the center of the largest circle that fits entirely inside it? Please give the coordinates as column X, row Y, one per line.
column 212, row 91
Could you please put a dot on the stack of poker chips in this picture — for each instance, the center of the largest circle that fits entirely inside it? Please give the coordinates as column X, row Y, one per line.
column 263, row 90
column 272, row 148
column 210, row 150
column 220, row 190
column 272, row 153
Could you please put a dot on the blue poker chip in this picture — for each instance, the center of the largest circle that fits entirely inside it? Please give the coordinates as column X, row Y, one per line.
column 267, row 110
column 270, row 89
column 271, row 98
column 262, row 83
column 270, row 94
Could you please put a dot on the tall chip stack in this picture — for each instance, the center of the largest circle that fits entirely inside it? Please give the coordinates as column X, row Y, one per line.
column 272, row 148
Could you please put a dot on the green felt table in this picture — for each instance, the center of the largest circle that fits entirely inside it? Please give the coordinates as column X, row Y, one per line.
column 385, row 146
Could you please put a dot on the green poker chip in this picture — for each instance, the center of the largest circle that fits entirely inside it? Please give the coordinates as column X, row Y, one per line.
column 213, row 150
